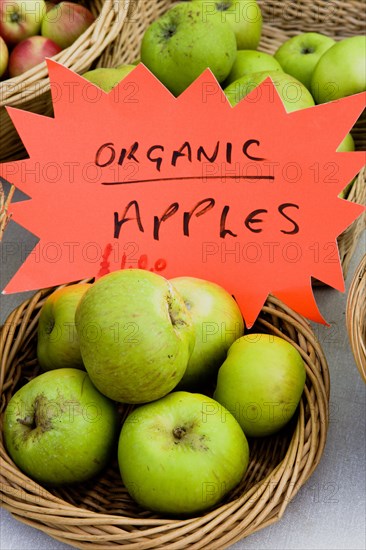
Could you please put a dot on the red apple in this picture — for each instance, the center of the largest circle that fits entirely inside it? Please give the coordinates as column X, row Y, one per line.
column 4, row 56
column 65, row 22
column 29, row 53
column 20, row 19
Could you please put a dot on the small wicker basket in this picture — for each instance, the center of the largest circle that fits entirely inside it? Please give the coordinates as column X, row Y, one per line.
column 356, row 316
column 100, row 513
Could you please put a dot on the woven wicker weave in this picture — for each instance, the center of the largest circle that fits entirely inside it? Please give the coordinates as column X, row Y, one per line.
column 100, row 514
column 356, row 316
column 347, row 241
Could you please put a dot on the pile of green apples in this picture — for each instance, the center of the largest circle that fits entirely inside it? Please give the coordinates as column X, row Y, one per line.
column 175, row 352
column 224, row 36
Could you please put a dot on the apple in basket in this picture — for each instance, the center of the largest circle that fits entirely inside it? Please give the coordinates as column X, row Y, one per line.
column 293, row 94
column 136, row 335
column 178, row 46
column 65, row 22
column 181, row 454
column 4, row 56
column 57, row 339
column 244, row 17
column 218, row 323
column 341, row 70
column 251, row 61
column 299, row 55
column 29, row 53
column 261, row 383
column 347, row 144
column 20, row 19
column 108, row 77
column 59, row 429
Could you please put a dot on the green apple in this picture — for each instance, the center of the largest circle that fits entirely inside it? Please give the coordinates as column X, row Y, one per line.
column 251, row 61
column 182, row 43
column 293, row 94
column 181, row 454
column 347, row 144
column 136, row 335
column 57, row 339
column 341, row 70
column 59, row 429
column 346, row 191
column 261, row 383
column 299, row 54
column 244, row 17
column 107, row 78
column 218, row 323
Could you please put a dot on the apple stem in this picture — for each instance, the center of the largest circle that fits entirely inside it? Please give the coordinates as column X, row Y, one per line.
column 179, row 432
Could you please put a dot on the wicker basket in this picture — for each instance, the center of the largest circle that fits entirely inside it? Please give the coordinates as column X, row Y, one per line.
column 30, row 91
column 356, row 316
column 100, row 514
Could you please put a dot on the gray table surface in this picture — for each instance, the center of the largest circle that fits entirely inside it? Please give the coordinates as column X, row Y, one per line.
column 329, row 511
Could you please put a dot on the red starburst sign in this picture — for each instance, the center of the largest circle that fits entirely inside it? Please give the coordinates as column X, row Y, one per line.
column 246, row 196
